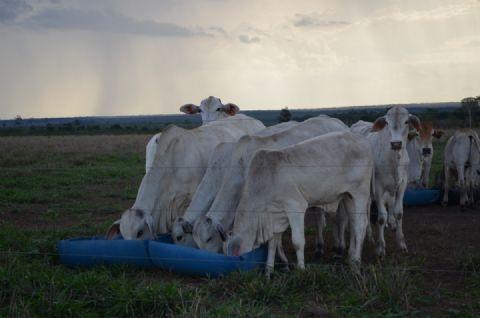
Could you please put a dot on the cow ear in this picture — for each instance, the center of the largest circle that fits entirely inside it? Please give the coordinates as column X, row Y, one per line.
column 438, row 133
column 113, row 230
column 379, row 124
column 414, row 122
column 412, row 134
column 190, row 109
column 230, row 109
column 221, row 231
column 186, row 226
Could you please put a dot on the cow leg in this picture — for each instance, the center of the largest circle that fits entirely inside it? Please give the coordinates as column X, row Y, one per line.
column 463, row 189
column 358, row 218
column 320, row 222
column 398, row 214
column 381, row 223
column 469, row 177
column 370, row 237
column 339, row 229
column 272, row 247
column 281, row 252
column 446, row 171
column 297, row 225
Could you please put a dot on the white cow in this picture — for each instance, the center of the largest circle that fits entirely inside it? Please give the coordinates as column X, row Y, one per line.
column 462, row 160
column 209, row 230
column 282, row 184
column 211, row 109
column 388, row 137
column 420, row 153
column 210, row 185
column 179, row 165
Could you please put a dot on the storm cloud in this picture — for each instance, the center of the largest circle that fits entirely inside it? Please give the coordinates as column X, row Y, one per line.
column 111, row 21
column 11, row 9
column 313, row 20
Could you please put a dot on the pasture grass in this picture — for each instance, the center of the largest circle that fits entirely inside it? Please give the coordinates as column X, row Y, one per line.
column 53, row 188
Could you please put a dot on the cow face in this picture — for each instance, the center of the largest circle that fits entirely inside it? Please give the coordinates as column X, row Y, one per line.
column 398, row 122
column 233, row 245
column 134, row 224
column 211, row 109
column 209, row 235
column 182, row 232
column 425, row 139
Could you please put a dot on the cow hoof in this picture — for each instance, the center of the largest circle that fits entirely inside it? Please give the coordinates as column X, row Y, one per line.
column 319, row 253
column 338, row 252
column 284, row 269
column 380, row 251
column 403, row 248
column 268, row 272
column 462, row 208
column 444, row 203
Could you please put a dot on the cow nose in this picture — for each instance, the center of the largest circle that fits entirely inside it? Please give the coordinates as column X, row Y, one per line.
column 179, row 238
column 396, row 145
column 426, row 152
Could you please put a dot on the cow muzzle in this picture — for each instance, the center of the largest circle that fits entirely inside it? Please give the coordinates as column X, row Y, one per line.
column 426, row 152
column 396, row 145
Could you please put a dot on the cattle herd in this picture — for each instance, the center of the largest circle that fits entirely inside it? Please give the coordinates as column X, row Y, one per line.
column 233, row 184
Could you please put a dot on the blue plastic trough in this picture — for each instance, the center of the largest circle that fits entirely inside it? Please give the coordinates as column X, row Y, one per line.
column 162, row 253
column 416, row 197
column 87, row 252
column 194, row 262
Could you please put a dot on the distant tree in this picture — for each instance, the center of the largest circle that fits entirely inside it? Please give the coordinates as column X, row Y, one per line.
column 470, row 105
column 285, row 115
column 18, row 120
column 116, row 127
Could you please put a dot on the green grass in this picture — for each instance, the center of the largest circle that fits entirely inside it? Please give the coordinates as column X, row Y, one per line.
column 87, row 187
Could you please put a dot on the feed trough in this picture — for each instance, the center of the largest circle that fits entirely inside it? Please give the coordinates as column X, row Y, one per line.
column 195, row 262
column 417, row 197
column 161, row 253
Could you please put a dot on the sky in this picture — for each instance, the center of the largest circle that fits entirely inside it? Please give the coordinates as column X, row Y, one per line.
column 130, row 57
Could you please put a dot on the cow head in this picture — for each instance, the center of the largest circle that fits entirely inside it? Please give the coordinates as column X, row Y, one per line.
column 134, row 224
column 209, row 235
column 211, row 109
column 398, row 122
column 425, row 138
column 233, row 245
column 182, row 232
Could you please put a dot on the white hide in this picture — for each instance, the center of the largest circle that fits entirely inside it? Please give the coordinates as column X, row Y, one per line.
column 281, row 184
column 179, row 165
column 462, row 159
column 210, row 109
column 210, row 185
column 388, row 137
column 208, row 229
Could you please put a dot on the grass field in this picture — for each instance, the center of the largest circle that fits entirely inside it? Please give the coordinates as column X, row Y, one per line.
column 53, row 188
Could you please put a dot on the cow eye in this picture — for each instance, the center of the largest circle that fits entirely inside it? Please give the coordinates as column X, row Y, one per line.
column 139, row 233
column 219, row 109
column 209, row 239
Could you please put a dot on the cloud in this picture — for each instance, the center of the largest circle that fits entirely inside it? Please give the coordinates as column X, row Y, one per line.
column 218, row 30
column 248, row 39
column 110, row 22
column 315, row 20
column 438, row 13
column 10, row 10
